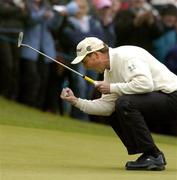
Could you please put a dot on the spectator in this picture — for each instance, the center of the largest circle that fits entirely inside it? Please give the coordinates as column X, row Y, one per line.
column 171, row 59
column 12, row 18
column 76, row 28
column 35, row 69
column 117, row 5
column 138, row 25
column 58, row 73
column 104, row 12
column 168, row 38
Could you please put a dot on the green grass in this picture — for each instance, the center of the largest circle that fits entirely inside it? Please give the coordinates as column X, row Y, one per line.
column 41, row 146
column 12, row 113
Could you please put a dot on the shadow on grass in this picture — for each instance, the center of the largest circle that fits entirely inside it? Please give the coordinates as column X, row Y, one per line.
column 81, row 168
column 108, row 169
column 94, row 168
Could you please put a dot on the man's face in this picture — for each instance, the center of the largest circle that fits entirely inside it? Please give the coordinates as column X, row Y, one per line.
column 93, row 61
column 169, row 20
column 137, row 3
column 83, row 8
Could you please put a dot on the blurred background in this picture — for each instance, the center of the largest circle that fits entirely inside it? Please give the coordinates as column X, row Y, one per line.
column 55, row 27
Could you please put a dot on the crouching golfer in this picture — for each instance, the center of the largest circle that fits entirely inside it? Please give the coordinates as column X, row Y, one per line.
column 136, row 88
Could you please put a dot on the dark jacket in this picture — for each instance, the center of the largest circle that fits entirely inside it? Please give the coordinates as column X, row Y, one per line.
column 129, row 34
column 12, row 18
column 171, row 59
column 71, row 34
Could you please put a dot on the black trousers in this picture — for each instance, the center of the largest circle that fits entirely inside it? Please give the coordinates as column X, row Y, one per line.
column 133, row 112
column 33, row 82
column 9, row 70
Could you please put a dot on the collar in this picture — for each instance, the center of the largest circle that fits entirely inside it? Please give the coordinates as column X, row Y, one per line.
column 110, row 59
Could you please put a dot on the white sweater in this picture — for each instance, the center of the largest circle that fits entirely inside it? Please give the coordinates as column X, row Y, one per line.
column 132, row 71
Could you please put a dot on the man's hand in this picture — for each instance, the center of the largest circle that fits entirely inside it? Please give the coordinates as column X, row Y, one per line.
column 48, row 14
column 103, row 87
column 68, row 95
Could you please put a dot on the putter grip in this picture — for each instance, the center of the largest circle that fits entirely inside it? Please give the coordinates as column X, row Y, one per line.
column 89, row 80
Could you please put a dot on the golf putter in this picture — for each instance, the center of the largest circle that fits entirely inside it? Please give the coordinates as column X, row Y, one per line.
column 20, row 44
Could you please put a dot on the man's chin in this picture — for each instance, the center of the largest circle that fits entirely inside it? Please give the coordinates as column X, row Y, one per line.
column 101, row 71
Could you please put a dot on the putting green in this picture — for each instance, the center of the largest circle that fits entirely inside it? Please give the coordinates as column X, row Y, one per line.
column 41, row 146
column 41, row 154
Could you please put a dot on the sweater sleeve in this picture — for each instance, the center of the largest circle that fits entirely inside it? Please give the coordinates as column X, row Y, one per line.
column 103, row 106
column 137, row 76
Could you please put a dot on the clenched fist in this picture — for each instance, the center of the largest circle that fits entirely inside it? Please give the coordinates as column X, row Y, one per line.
column 68, row 95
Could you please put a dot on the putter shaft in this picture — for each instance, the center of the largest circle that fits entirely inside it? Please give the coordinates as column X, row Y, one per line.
column 20, row 39
column 90, row 80
column 85, row 77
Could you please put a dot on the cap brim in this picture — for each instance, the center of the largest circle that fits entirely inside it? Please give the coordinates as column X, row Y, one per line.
column 77, row 60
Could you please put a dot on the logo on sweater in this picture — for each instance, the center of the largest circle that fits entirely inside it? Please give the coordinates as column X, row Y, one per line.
column 131, row 67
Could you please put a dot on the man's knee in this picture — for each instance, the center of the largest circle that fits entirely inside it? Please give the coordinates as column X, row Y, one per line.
column 124, row 104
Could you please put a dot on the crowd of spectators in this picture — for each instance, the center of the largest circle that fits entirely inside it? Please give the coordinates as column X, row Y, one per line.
column 56, row 26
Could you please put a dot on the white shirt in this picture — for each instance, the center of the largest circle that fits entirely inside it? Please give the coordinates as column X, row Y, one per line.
column 82, row 24
column 132, row 71
column 164, row 2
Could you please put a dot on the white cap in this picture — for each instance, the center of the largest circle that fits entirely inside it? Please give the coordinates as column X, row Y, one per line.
column 86, row 46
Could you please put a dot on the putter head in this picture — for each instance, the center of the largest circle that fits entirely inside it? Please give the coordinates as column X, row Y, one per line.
column 20, row 39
